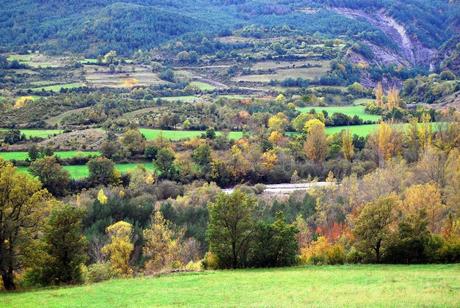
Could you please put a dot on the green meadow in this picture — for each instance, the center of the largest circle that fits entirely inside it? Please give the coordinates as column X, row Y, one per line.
column 365, row 130
column 202, row 86
column 41, row 133
column 351, row 111
column 151, row 134
column 60, row 154
column 312, row 286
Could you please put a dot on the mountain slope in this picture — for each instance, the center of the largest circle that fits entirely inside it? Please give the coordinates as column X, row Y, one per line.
column 409, row 32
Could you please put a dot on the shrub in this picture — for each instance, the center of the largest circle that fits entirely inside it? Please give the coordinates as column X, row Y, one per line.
column 449, row 251
column 194, row 266
column 99, row 272
column 323, row 252
column 210, row 261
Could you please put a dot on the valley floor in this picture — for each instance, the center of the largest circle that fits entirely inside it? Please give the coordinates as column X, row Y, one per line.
column 325, row 286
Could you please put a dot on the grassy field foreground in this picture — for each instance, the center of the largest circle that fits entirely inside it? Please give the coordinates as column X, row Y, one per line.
column 331, row 286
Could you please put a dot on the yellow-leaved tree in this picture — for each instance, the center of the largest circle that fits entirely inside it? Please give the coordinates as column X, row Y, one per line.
column 393, row 98
column 162, row 245
column 120, row 248
column 347, row 145
column 425, row 197
column 379, row 95
column 23, row 207
column 316, row 145
column 278, row 122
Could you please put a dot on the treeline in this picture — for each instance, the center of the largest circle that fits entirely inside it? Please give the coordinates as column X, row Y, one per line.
column 405, row 211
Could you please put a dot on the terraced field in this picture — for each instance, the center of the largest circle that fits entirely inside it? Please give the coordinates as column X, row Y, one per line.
column 130, row 75
column 284, row 70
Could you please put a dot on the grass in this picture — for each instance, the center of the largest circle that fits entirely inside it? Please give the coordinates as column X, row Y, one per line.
column 174, row 135
column 81, row 171
column 59, row 87
column 366, row 129
column 202, row 86
column 63, row 155
column 360, row 130
column 348, row 110
column 318, row 286
column 41, row 133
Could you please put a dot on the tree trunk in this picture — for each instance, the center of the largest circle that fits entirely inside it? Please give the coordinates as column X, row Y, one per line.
column 235, row 256
column 8, row 280
column 377, row 251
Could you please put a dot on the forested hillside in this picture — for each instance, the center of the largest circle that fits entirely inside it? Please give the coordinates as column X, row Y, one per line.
column 95, row 27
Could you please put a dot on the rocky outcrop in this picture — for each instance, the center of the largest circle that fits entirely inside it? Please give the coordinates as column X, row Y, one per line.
column 410, row 51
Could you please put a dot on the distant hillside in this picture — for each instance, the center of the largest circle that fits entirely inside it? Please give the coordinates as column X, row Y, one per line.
column 410, row 31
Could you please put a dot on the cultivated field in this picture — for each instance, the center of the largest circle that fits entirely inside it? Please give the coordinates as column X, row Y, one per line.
column 40, row 60
column 130, row 76
column 284, row 70
column 318, row 286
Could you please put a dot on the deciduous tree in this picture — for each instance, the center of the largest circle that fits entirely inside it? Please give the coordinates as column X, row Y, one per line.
column 23, row 207
column 120, row 247
column 231, row 228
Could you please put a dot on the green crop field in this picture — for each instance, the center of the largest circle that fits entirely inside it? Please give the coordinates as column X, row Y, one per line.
column 42, row 133
column 202, row 86
column 318, row 286
column 151, row 134
column 61, row 154
column 348, row 110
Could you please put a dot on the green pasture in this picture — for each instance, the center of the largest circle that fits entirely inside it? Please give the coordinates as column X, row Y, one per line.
column 151, row 134
column 311, row 286
column 60, row 154
column 41, row 133
column 81, row 171
column 202, row 86
column 351, row 111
